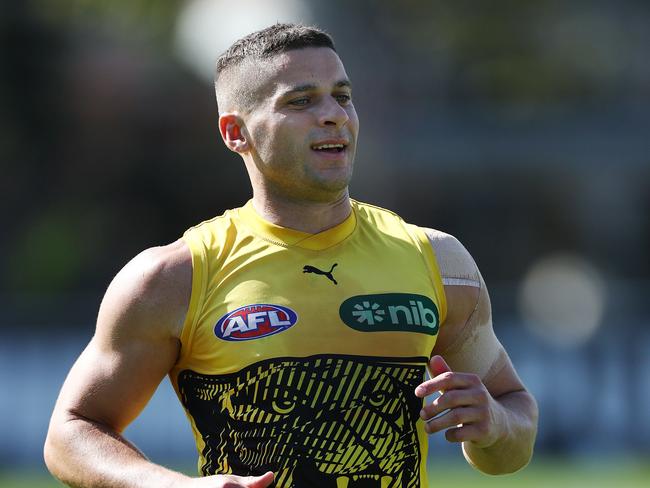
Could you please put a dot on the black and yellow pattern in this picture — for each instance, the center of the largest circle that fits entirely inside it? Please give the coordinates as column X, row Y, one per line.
column 322, row 421
column 329, row 400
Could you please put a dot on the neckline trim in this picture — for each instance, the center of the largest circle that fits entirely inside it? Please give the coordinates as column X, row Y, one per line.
column 287, row 237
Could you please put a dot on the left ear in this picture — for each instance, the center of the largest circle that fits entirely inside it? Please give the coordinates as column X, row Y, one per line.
column 233, row 132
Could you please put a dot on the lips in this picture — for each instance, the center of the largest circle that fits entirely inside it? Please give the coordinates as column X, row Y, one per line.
column 330, row 146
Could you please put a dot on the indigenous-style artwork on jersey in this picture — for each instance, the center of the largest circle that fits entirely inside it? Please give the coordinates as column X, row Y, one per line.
column 300, row 353
column 321, row 421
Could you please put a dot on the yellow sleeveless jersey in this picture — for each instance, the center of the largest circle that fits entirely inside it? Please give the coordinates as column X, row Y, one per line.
column 301, row 352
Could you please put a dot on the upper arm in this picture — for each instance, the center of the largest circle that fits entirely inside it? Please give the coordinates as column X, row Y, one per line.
column 467, row 340
column 136, row 340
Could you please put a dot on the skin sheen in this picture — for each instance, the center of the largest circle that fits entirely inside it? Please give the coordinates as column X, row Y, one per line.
column 295, row 185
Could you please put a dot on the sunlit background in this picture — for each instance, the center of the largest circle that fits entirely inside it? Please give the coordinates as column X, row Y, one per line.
column 523, row 128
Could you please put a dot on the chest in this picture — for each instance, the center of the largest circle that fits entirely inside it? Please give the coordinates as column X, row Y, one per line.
column 359, row 300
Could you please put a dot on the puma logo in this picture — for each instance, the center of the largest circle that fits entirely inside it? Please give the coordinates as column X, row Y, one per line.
column 311, row 269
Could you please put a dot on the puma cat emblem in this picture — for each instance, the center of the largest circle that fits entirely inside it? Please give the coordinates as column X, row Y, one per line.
column 311, row 269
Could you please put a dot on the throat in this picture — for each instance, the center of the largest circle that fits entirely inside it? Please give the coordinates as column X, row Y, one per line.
column 304, row 216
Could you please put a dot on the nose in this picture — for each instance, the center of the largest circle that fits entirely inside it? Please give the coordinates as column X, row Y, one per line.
column 332, row 113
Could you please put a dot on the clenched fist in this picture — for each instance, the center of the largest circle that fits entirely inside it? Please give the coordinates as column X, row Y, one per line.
column 465, row 407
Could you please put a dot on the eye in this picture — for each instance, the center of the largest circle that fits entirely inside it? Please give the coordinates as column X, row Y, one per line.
column 343, row 98
column 299, row 102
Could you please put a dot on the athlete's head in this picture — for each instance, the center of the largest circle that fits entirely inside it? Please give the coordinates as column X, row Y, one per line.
column 285, row 106
column 234, row 88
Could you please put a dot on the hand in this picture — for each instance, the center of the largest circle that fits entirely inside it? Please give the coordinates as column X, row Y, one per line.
column 472, row 415
column 232, row 481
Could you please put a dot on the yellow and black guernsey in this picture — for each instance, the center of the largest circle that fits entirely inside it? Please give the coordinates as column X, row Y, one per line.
column 301, row 352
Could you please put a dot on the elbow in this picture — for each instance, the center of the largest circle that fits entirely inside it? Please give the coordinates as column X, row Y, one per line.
column 57, row 449
column 502, row 464
column 49, row 455
column 510, row 467
column 52, row 452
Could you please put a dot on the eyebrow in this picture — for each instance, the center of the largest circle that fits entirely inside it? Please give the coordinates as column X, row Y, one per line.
column 311, row 86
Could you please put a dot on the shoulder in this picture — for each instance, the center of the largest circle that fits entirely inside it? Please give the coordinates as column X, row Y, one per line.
column 382, row 220
column 150, row 295
column 457, row 267
column 376, row 215
column 461, row 279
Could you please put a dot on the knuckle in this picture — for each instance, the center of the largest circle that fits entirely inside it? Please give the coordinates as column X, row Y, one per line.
column 426, row 412
column 449, row 396
column 482, row 414
column 440, row 403
column 454, row 435
column 474, row 379
column 483, row 429
column 447, row 376
column 455, row 416
column 483, row 396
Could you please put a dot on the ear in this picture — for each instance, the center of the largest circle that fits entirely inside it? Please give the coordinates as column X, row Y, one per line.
column 233, row 132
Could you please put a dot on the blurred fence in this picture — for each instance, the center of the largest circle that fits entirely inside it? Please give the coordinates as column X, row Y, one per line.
column 523, row 124
column 594, row 398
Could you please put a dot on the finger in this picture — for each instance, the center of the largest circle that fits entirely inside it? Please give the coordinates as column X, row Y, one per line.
column 234, row 481
column 453, row 418
column 260, row 481
column 466, row 433
column 451, row 399
column 437, row 366
column 446, row 381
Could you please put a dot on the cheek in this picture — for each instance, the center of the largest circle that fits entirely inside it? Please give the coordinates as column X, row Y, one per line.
column 354, row 121
column 277, row 145
column 262, row 140
column 288, row 138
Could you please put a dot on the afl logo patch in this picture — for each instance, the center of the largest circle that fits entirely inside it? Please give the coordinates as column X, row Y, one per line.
column 254, row 321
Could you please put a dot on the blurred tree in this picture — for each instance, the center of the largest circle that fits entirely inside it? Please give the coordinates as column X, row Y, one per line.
column 145, row 19
column 109, row 145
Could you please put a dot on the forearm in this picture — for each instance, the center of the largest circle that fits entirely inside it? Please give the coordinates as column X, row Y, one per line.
column 86, row 454
column 514, row 448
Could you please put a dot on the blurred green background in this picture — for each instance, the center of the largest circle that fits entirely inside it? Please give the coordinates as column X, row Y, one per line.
column 523, row 128
column 540, row 474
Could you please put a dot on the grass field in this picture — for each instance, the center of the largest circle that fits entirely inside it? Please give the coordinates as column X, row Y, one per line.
column 542, row 473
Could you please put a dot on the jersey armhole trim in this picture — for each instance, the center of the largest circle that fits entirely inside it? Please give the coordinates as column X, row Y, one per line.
column 199, row 275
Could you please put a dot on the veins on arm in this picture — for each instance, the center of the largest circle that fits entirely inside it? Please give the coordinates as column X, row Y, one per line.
column 134, row 346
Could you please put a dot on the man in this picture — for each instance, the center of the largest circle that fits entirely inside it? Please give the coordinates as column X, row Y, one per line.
column 296, row 330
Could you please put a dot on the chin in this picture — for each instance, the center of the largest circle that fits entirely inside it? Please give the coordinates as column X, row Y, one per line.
column 324, row 192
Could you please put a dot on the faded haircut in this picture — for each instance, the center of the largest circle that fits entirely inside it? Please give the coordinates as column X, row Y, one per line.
column 233, row 90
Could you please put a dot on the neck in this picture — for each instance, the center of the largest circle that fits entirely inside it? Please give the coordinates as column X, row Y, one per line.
column 306, row 216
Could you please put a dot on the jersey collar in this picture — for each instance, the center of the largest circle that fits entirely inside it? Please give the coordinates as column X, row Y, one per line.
column 285, row 236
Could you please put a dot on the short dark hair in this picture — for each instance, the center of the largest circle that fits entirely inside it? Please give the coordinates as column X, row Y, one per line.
column 273, row 40
column 234, row 88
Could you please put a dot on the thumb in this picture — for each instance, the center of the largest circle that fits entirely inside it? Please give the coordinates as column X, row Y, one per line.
column 260, row 481
column 437, row 366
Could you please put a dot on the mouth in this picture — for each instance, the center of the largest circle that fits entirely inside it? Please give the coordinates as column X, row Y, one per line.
column 330, row 147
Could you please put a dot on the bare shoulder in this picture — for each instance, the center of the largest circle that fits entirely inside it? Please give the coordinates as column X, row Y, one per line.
column 150, row 295
column 462, row 283
column 456, row 264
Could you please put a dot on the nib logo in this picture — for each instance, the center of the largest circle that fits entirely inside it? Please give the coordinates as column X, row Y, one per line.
column 391, row 312
column 364, row 312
